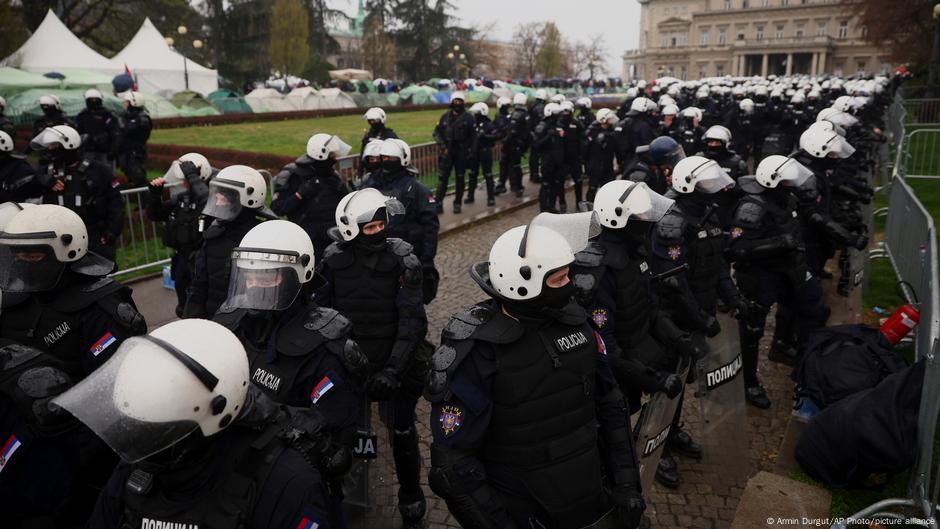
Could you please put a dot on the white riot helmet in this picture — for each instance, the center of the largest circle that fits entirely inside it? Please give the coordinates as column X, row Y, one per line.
column 541, row 94
column 134, row 99
column 320, row 146
column 519, row 99
column 457, row 95
column 362, row 207
column 697, row 173
column 641, row 84
column 37, row 244
column 524, row 256
column 798, row 98
column 396, row 148
column 373, row 148
column 820, row 143
column 50, row 100
column 558, row 98
column 269, row 266
column 746, row 105
column 480, row 109
column 234, row 189
column 59, row 136
column 642, row 105
column 606, row 115
column 374, row 114
column 718, row 132
column 583, row 102
column 620, row 200
column 551, row 109
column 843, row 104
column 693, row 112
column 777, row 170
column 174, row 175
column 632, row 92
column 664, row 100
column 566, row 106
column 503, row 102
column 93, row 93
column 6, row 142
column 161, row 387
column 8, row 210
column 670, row 110
column 842, row 119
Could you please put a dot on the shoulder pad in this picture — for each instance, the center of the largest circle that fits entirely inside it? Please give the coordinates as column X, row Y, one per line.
column 336, row 256
column 328, row 322
column 17, row 155
column 464, row 323
column 412, row 171
column 82, row 295
column 484, row 323
column 83, row 167
column 445, row 360
column 749, row 212
column 591, row 256
column 303, row 160
column 14, row 355
column 400, row 247
column 671, row 228
column 353, row 359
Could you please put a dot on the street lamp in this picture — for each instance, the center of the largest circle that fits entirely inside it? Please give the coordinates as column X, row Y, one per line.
column 197, row 44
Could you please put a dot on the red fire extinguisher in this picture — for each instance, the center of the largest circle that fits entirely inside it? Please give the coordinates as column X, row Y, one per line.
column 899, row 324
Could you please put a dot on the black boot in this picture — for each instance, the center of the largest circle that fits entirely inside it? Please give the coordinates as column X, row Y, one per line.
column 667, row 472
column 412, row 513
column 407, row 459
column 491, row 200
column 500, row 188
column 757, row 397
column 439, row 208
column 470, row 199
column 680, row 441
column 783, row 353
column 456, row 207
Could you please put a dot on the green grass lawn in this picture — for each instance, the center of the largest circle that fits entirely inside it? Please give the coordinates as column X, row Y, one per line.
column 289, row 137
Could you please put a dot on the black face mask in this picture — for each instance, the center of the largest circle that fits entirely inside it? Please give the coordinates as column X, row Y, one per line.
column 715, row 152
column 93, row 104
column 557, row 298
column 323, row 165
column 376, row 127
column 371, row 243
column 371, row 166
column 504, row 111
column 458, row 108
column 391, row 166
column 49, row 111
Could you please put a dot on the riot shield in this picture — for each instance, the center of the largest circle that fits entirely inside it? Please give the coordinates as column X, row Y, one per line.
column 724, row 441
column 653, row 429
column 356, row 482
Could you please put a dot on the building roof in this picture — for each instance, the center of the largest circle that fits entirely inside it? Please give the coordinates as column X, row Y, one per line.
column 354, row 26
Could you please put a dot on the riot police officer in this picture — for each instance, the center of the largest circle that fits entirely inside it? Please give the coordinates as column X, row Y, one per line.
column 375, row 281
column 87, row 187
column 690, row 130
column 6, row 125
column 571, row 141
column 585, row 117
column 743, row 129
column 639, row 127
column 770, row 265
column 454, row 137
column 548, row 141
column 182, row 216
column 377, row 130
column 536, row 115
column 500, row 130
column 17, row 177
column 307, row 190
column 653, row 163
column 481, row 153
column 717, row 141
column 211, row 451
column 235, row 201
column 98, row 127
column 134, row 128
column 515, row 144
column 521, row 390
column 669, row 126
column 598, row 151
column 58, row 301
column 419, row 224
column 52, row 115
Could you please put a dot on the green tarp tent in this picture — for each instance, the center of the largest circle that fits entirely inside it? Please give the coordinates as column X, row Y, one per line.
column 76, row 78
column 228, row 102
column 24, row 107
column 14, row 81
column 417, row 95
column 192, row 104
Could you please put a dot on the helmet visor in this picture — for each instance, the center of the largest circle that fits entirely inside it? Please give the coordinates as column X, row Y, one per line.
column 641, row 202
column 674, row 156
column 711, row 178
column 793, row 174
column 843, row 119
column 840, row 146
column 121, row 400
column 224, row 203
column 263, row 280
column 174, row 175
column 28, row 267
column 576, row 228
column 48, row 138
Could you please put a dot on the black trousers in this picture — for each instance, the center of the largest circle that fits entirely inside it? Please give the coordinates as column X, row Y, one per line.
column 510, row 167
column 455, row 160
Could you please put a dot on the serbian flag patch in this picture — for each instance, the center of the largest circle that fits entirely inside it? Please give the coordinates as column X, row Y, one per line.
column 8, row 449
column 103, row 343
column 324, row 385
column 307, row 523
column 601, row 346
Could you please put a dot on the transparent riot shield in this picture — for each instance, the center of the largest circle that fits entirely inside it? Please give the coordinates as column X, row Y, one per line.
column 653, row 429
column 356, row 482
column 724, row 416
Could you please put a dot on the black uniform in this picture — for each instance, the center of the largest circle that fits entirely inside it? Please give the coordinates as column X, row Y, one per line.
column 182, row 231
column 689, row 136
column 516, row 406
column 50, row 118
column 454, row 137
column 514, row 146
column 574, row 136
column 249, row 475
column 639, row 170
column 99, row 130
column 378, row 287
column 320, row 189
column 585, row 117
column 636, row 129
column 547, row 140
column 598, row 152
column 536, row 115
column 134, row 128
column 419, row 225
column 212, row 264
column 17, row 179
column 481, row 156
column 378, row 132
column 91, row 191
column 7, row 126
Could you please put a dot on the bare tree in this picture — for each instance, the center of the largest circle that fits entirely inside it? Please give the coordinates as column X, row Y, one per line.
column 527, row 40
column 486, row 57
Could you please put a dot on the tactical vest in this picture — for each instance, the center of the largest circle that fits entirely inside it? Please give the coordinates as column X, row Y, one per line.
column 181, row 231
column 220, row 239
column 543, row 428
column 705, row 246
column 778, row 220
column 79, row 194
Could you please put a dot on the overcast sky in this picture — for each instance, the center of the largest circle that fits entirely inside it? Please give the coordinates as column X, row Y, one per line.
column 617, row 20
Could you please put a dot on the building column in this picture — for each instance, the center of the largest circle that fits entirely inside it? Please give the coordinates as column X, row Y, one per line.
column 789, row 64
column 743, row 67
column 814, row 65
column 822, row 62
column 763, row 66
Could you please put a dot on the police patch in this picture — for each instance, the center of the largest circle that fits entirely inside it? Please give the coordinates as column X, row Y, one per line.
column 736, row 232
column 451, row 418
column 675, row 252
column 600, row 317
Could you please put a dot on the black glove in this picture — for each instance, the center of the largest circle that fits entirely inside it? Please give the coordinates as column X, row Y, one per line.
column 189, row 169
column 861, row 242
column 382, row 384
column 629, row 504
column 788, row 240
column 670, row 384
column 688, row 347
column 308, row 189
column 740, row 308
column 712, row 327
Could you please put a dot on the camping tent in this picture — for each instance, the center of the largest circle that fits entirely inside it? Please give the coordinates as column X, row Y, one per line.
column 350, row 74
column 159, row 68
column 303, row 98
column 417, row 95
column 13, row 81
column 53, row 47
column 267, row 100
column 193, row 104
column 24, row 107
column 159, row 107
column 78, row 78
column 228, row 102
column 335, row 98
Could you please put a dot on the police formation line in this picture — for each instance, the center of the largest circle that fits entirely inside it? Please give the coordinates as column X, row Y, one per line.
column 250, row 411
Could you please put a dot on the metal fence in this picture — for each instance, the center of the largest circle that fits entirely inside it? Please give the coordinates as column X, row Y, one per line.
column 922, row 111
column 922, row 154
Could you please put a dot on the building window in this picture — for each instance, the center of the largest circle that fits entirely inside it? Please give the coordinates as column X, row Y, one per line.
column 727, row 4
column 672, row 41
column 779, row 33
column 720, row 70
column 665, row 42
column 820, row 29
column 682, row 39
column 765, row 3
column 862, row 65
column 799, row 32
column 701, row 71
column 784, row 3
column 682, row 73
column 760, row 33
column 843, row 29
column 722, row 36
column 740, row 35
column 864, row 31
column 744, row 4
column 704, row 40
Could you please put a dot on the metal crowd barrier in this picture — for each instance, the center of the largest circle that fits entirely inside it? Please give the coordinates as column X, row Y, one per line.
column 922, row 111
column 922, row 145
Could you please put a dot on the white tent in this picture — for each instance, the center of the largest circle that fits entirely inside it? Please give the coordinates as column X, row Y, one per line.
column 335, row 98
column 304, row 98
column 53, row 47
column 161, row 69
column 268, row 100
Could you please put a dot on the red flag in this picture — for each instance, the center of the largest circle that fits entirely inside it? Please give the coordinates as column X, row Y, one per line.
column 127, row 71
